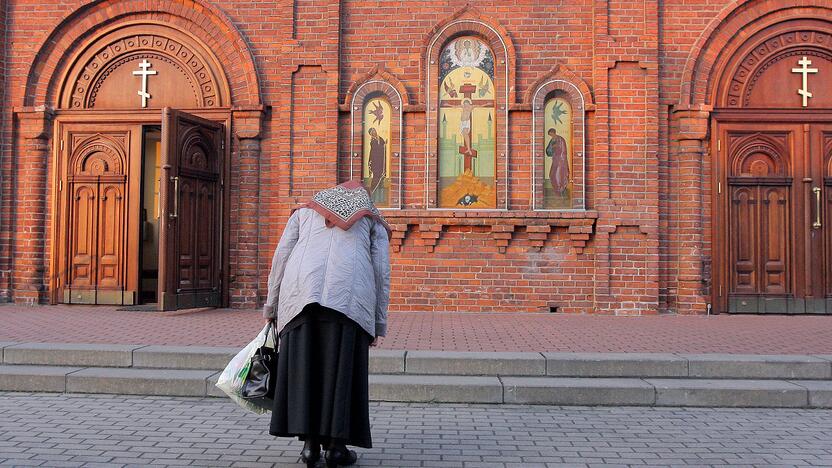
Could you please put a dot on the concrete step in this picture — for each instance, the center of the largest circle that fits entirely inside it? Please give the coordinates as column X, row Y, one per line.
column 487, row 364
column 449, row 388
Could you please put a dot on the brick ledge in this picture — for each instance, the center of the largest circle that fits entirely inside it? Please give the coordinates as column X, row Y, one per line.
column 429, row 225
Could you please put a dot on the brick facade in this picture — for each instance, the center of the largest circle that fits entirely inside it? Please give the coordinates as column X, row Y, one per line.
column 641, row 246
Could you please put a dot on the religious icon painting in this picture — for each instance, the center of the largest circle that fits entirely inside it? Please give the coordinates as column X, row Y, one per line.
column 467, row 126
column 557, row 154
column 376, row 164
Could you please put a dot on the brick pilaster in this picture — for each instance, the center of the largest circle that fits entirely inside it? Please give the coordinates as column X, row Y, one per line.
column 245, row 187
column 30, row 181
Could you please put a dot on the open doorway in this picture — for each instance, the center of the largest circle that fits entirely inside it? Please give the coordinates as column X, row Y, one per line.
column 149, row 223
column 139, row 212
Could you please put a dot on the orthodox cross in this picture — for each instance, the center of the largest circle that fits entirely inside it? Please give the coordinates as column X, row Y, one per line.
column 805, row 70
column 144, row 72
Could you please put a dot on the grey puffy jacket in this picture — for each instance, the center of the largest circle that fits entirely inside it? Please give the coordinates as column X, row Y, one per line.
column 348, row 271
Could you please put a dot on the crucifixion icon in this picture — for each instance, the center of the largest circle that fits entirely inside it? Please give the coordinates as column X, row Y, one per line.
column 804, row 70
column 144, row 73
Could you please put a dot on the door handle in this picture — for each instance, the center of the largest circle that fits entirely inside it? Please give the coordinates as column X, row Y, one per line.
column 817, row 191
column 175, row 213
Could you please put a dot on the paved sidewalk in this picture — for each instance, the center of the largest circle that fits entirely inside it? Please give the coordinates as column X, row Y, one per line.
column 747, row 334
column 105, row 430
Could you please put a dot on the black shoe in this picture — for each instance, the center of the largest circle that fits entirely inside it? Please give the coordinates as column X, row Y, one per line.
column 311, row 453
column 339, row 455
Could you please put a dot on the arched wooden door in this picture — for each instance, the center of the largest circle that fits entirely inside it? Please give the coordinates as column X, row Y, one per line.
column 190, row 231
column 128, row 231
column 772, row 144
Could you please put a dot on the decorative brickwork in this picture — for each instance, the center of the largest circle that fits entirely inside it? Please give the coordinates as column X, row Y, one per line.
column 645, row 78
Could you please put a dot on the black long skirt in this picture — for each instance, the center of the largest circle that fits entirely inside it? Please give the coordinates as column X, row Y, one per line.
column 322, row 389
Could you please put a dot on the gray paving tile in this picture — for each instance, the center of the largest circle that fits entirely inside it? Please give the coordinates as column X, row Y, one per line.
column 413, row 434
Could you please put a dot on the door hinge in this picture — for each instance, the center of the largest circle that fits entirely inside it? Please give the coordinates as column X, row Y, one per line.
column 222, row 145
column 719, row 187
column 720, row 290
column 719, row 145
column 60, row 185
column 62, row 145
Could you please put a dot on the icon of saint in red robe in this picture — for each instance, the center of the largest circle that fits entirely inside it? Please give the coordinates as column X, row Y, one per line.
column 559, row 171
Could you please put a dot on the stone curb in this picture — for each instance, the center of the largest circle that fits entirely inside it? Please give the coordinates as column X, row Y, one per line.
column 435, row 389
column 448, row 388
column 183, row 357
column 471, row 363
column 34, row 378
column 729, row 393
column 70, row 354
column 397, row 362
column 3, row 345
column 578, row 391
column 820, row 392
column 757, row 366
column 615, row 365
column 138, row 381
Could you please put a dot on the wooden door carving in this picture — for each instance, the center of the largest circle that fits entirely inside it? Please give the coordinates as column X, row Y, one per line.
column 760, row 238
column 96, row 256
column 189, row 273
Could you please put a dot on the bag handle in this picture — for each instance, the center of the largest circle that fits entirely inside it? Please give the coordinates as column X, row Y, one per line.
column 270, row 328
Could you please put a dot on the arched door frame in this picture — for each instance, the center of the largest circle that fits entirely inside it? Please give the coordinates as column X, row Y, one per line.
column 703, row 106
column 241, row 111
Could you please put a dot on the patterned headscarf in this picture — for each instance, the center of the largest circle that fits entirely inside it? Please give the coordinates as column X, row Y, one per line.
column 345, row 204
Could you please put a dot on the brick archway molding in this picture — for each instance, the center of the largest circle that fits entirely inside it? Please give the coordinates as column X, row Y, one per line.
column 199, row 18
column 50, row 67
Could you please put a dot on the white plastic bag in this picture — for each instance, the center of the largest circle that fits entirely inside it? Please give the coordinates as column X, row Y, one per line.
column 232, row 377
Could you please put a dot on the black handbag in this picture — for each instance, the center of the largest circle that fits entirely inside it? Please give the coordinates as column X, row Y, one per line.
column 258, row 386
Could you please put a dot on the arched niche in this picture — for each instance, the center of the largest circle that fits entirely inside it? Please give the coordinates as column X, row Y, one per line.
column 376, row 127
column 558, row 146
column 444, row 38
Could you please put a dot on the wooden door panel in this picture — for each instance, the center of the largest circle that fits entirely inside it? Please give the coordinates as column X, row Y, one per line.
column 743, row 221
column 774, row 225
column 758, row 165
column 206, row 238
column 94, row 228
column 111, row 237
column 82, row 237
column 189, row 272
column 187, row 231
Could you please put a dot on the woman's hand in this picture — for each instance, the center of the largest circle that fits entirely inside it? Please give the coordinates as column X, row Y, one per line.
column 374, row 343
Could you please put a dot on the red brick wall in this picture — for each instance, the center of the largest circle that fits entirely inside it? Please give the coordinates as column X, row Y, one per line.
column 625, row 255
column 5, row 186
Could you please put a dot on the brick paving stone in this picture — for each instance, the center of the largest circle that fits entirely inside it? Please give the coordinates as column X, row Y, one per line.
column 449, row 331
column 218, row 433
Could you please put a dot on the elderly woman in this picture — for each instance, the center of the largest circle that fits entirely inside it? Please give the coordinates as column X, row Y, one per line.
column 328, row 292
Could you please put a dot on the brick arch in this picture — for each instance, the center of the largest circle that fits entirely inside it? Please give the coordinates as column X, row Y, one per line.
column 357, row 98
column 562, row 79
column 199, row 18
column 736, row 22
column 563, row 73
column 378, row 73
